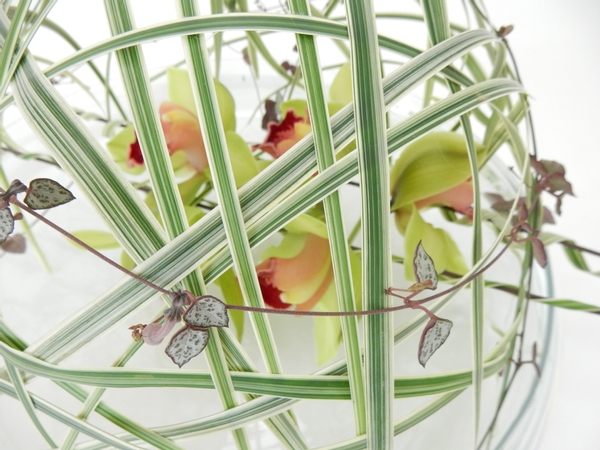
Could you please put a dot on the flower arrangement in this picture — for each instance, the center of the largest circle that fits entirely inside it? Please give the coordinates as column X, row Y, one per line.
column 337, row 212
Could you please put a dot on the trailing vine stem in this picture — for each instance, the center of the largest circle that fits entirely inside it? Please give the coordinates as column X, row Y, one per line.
column 78, row 241
column 413, row 303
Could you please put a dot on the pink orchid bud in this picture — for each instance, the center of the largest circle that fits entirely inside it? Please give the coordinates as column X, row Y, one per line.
column 154, row 333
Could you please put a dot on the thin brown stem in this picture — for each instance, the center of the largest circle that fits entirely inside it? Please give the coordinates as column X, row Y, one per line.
column 78, row 241
column 580, row 248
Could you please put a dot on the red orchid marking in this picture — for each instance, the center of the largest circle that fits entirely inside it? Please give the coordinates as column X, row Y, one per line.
column 135, row 157
column 270, row 293
column 280, row 275
column 182, row 132
column 283, row 135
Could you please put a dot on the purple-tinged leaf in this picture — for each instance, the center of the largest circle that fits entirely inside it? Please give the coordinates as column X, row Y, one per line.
column 185, row 344
column 545, row 167
column 207, row 311
column 16, row 187
column 44, row 193
column 14, row 244
column 270, row 114
column 539, row 253
column 7, row 224
column 424, row 269
column 434, row 335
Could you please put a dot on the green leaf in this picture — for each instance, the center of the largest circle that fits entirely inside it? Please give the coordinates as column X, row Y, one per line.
column 569, row 304
column 27, row 402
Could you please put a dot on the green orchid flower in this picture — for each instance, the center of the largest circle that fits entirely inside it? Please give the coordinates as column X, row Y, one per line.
column 432, row 171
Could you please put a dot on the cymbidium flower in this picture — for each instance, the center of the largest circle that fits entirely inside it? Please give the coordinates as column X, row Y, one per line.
column 295, row 124
column 183, row 136
column 298, row 273
column 182, row 133
column 432, row 171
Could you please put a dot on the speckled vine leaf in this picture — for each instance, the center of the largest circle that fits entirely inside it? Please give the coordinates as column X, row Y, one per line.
column 207, row 311
column 7, row 224
column 424, row 269
column 44, row 193
column 185, row 344
column 434, row 335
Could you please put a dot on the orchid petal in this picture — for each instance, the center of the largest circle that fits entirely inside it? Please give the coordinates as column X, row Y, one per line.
column 120, row 148
column 180, row 92
column 182, row 132
column 429, row 166
column 327, row 329
column 299, row 106
column 459, row 198
column 306, row 223
column 341, row 88
column 242, row 161
column 440, row 246
column 281, row 136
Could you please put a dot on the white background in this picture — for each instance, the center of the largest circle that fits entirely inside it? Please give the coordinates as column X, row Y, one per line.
column 557, row 47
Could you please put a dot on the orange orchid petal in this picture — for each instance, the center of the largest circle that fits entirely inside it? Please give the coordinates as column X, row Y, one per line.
column 459, row 198
column 311, row 302
column 182, row 132
column 280, row 275
column 289, row 273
